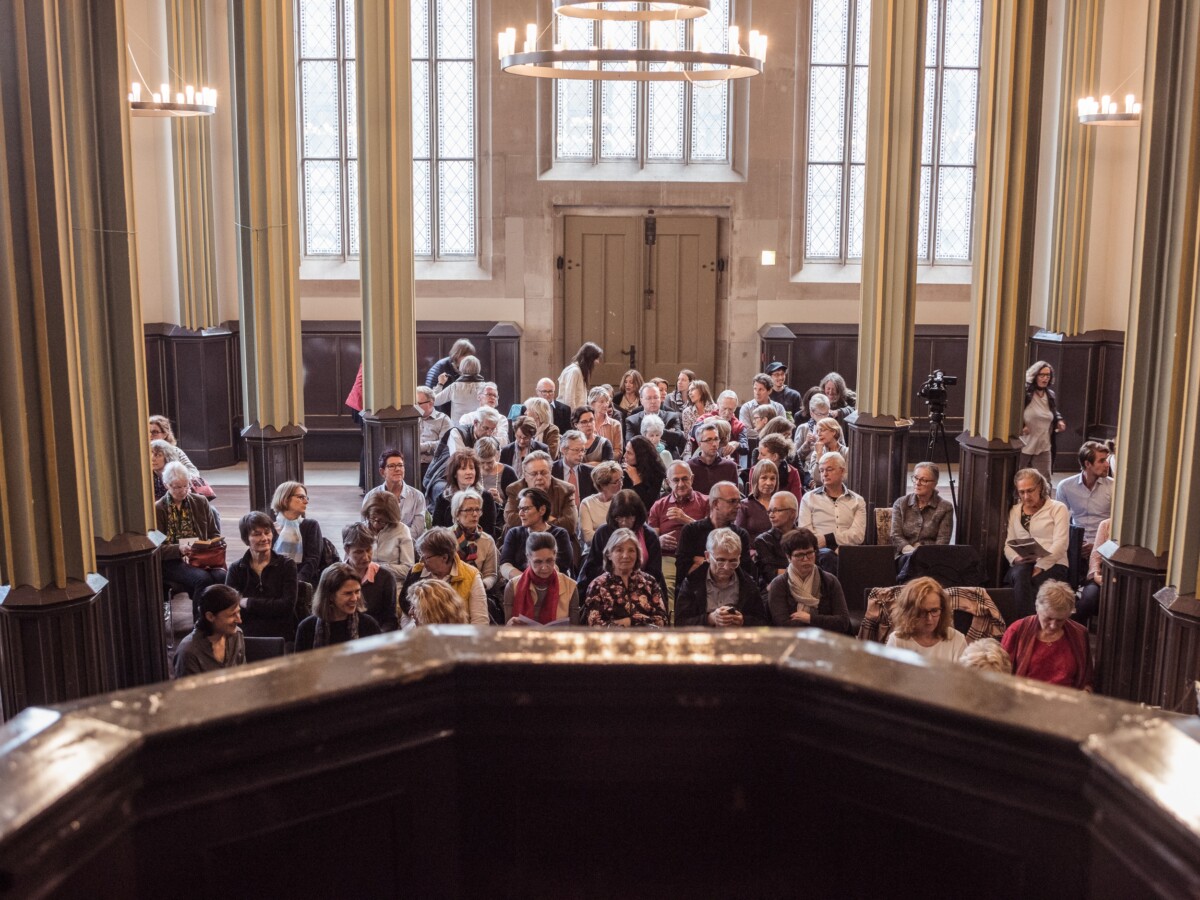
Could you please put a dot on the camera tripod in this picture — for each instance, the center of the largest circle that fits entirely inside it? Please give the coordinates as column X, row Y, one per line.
column 937, row 428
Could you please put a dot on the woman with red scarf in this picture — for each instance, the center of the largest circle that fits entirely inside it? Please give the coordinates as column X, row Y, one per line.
column 542, row 593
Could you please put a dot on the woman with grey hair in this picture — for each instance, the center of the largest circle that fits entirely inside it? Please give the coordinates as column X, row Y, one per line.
column 161, row 453
column 476, row 546
column 1042, row 420
column 923, row 516
column 607, row 477
column 540, row 411
column 461, row 395
column 806, row 432
column 624, row 596
column 987, row 655
column 652, row 429
column 185, row 517
column 1048, row 646
column 719, row 593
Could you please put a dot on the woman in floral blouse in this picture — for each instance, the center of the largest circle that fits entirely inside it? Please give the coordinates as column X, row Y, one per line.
column 624, row 596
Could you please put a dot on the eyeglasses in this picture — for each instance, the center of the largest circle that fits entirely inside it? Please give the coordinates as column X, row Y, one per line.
column 930, row 613
column 470, row 509
column 916, row 480
column 303, row 497
column 804, row 554
column 394, row 467
column 724, row 561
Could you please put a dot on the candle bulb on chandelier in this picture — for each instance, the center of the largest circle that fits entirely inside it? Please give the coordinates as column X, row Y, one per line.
column 734, row 34
column 530, row 38
column 189, row 93
column 136, row 96
column 1129, row 103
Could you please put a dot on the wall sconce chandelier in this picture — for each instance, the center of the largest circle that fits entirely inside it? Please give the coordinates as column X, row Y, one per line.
column 654, row 63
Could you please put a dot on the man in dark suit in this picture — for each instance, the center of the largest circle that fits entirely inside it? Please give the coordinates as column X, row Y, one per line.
column 560, row 411
column 570, row 466
column 652, row 403
column 522, row 444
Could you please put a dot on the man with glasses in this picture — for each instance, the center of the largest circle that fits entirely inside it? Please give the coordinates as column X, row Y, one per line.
column 833, row 512
column 719, row 594
column 769, row 557
column 412, row 502
column 433, row 424
column 671, row 513
column 560, row 413
column 536, row 472
column 571, row 468
column 723, row 500
column 923, row 516
column 708, row 466
column 651, row 399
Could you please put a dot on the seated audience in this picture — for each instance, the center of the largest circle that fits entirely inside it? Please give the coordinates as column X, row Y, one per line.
column 160, row 430
column 833, row 512
column 1036, row 517
column 727, row 408
column 338, row 614
column 489, row 398
column 828, row 439
column 922, row 517
column 709, row 466
column 486, row 424
column 438, row 549
column 644, row 470
column 393, row 540
column 461, row 396
column 376, row 583
column 433, row 424
column 624, row 596
column 785, row 396
column 539, row 411
column 216, row 640
column 629, row 400
column 769, row 558
column 266, row 581
column 606, row 424
column 700, row 405
column 434, row 602
column 185, row 517
column 464, row 471
column 678, row 399
column 571, row 468
column 162, row 453
column 475, row 546
column 536, row 474
column 924, row 622
column 494, row 478
column 300, row 538
column 560, row 412
column 841, row 399
column 598, row 447
column 607, row 478
column 652, row 405
column 987, row 655
column 542, row 592
column 652, row 429
column 523, row 443
column 410, row 500
column 626, row 512
column 1048, row 646
column 1089, row 494
column 719, row 593
column 752, row 512
column 754, row 407
column 805, row 435
column 533, row 512
column 805, row 595
column 723, row 500
column 1089, row 598
column 775, row 447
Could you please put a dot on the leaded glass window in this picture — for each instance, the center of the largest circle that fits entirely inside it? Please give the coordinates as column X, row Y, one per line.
column 445, row 175
column 656, row 122
column 837, row 132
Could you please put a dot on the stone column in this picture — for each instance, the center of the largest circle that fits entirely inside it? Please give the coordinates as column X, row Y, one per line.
column 1156, row 512
column 889, row 260
column 1073, row 179
column 1010, row 99
column 263, row 59
column 385, row 178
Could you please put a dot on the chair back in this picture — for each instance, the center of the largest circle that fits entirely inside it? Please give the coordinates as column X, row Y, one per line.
column 861, row 568
column 260, row 648
column 883, row 525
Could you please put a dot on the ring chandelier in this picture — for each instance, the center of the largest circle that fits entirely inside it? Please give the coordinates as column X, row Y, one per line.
column 654, row 63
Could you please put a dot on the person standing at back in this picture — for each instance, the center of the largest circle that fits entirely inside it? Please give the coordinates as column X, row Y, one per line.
column 575, row 379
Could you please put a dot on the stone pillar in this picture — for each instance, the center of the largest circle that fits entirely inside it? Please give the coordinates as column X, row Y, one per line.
column 1156, row 514
column 1073, row 178
column 1010, row 98
column 889, row 260
column 262, row 50
column 385, row 178
column 187, row 54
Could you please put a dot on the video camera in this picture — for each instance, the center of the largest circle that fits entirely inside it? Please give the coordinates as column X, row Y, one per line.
column 933, row 391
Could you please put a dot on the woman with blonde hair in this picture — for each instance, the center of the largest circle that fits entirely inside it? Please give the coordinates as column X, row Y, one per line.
column 827, row 438
column 300, row 537
column 539, row 410
column 435, row 603
column 924, row 622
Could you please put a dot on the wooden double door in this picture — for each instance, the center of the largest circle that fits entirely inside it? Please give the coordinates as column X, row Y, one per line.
column 644, row 289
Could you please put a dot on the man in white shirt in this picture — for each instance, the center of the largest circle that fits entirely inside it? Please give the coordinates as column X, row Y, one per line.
column 1089, row 494
column 833, row 512
column 433, row 424
column 412, row 501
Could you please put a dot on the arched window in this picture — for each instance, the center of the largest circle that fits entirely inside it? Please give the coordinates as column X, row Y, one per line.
column 648, row 123
column 837, row 130
column 445, row 175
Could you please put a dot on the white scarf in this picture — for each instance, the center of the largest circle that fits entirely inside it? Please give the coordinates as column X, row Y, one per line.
column 802, row 590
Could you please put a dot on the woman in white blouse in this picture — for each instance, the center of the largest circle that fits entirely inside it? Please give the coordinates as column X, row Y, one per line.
column 593, row 510
column 924, row 622
column 1035, row 517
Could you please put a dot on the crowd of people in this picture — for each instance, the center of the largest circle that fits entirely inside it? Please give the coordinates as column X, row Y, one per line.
column 630, row 506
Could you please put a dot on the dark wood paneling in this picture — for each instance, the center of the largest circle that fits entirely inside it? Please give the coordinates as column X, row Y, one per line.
column 157, row 396
column 332, row 352
column 201, row 366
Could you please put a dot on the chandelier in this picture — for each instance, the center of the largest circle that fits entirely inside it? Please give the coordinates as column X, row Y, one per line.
column 160, row 104
column 654, row 63
column 1106, row 112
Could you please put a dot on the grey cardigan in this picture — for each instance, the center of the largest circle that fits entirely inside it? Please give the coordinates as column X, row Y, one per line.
column 831, row 614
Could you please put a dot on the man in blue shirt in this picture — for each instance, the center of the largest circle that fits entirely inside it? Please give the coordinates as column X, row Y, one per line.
column 1088, row 495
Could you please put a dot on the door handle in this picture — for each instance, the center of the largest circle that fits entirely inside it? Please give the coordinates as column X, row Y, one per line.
column 632, row 354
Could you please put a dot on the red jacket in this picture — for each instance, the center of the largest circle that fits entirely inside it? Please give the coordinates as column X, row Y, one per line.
column 354, row 399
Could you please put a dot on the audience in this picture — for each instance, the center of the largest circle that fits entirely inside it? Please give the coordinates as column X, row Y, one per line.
column 785, row 396
column 624, row 596
column 161, row 454
column 438, row 549
column 1041, row 523
column 720, row 594
column 752, row 513
column 1089, row 597
column 433, row 424
column 841, row 399
column 461, row 396
column 654, row 431
column 536, row 474
column 769, row 557
column 1088, row 496
column 434, row 602
column 607, row 479
column 337, row 612
column 598, row 448
column 833, row 512
column 571, row 468
column 644, row 470
column 629, row 392
column 539, row 411
column 652, row 405
column 776, row 447
column 625, row 512
column 216, row 640
column 476, row 547
column 827, row 439
column 300, row 537
column 604, row 422
column 699, row 405
column 1048, row 646
column 723, row 500
column 494, row 477
column 185, row 518
column 806, row 432
column 576, row 378
column 922, row 517
column 445, row 370
column 987, row 655
column 542, row 593
column 678, row 399
column 411, row 501
column 924, row 622
column 708, row 466
column 266, row 581
column 463, row 471
column 523, row 443
column 560, row 412
column 377, row 584
column 533, row 514
column 805, row 595
column 393, row 540
column 761, row 388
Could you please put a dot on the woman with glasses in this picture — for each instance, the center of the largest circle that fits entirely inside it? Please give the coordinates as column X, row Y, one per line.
column 922, row 517
column 393, row 540
column 542, row 593
column 805, row 595
column 533, row 511
column 464, row 471
column 439, row 561
column 598, row 447
column 300, row 537
column 475, row 546
column 924, row 622
column 1042, row 420
column 752, row 512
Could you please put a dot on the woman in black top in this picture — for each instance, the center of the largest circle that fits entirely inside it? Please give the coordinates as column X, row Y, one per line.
column 463, row 471
column 337, row 615
column 378, row 583
column 266, row 581
column 644, row 470
column 625, row 511
column 533, row 509
column 598, row 448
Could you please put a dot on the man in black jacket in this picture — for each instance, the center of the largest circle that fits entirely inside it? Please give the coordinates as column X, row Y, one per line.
column 571, row 468
column 559, row 411
column 723, row 500
column 719, row 593
column 652, row 403
column 784, row 395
